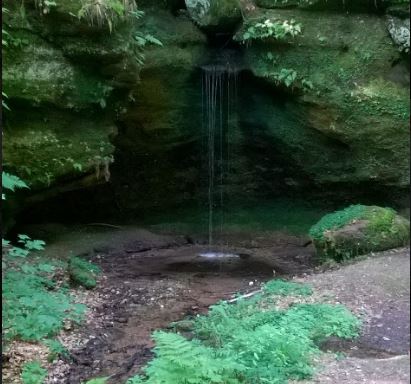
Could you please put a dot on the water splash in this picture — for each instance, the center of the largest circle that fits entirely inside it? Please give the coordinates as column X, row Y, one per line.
column 219, row 255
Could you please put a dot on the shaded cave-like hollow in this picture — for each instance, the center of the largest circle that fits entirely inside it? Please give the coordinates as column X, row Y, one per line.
column 230, row 151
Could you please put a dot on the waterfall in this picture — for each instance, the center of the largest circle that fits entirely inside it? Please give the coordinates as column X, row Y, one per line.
column 218, row 90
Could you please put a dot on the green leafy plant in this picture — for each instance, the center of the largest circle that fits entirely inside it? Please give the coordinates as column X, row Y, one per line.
column 32, row 308
column 45, row 6
column 285, row 288
column 11, row 182
column 251, row 341
column 144, row 39
column 56, row 349
column 4, row 34
column 33, row 373
column 269, row 29
column 194, row 363
column 108, row 12
column 286, row 77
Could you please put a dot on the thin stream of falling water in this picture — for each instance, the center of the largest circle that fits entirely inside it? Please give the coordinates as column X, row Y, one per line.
column 221, row 160
column 216, row 92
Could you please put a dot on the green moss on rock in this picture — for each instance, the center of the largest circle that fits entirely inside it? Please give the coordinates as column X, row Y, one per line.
column 355, row 100
column 48, row 146
column 358, row 230
column 82, row 272
column 330, row 5
column 215, row 15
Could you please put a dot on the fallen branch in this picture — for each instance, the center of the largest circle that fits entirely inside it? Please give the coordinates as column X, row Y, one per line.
column 104, row 225
column 246, row 296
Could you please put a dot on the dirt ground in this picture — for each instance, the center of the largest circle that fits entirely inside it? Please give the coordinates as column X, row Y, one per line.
column 378, row 290
column 150, row 280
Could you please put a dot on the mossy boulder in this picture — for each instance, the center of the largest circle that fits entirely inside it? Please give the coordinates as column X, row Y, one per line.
column 82, row 272
column 215, row 15
column 358, row 230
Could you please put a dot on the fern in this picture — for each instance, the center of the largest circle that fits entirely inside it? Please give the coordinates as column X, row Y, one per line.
column 180, row 361
column 32, row 310
column 284, row 288
column 33, row 373
column 56, row 349
column 250, row 342
column 11, row 182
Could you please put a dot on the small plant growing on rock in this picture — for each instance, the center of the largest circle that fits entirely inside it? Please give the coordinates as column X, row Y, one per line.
column 270, row 29
column 107, row 12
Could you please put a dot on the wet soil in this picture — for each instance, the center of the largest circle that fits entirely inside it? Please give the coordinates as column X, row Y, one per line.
column 150, row 280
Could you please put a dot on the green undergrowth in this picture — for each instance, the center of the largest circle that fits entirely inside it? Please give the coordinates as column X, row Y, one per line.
column 251, row 341
column 34, row 306
column 33, row 373
column 36, row 297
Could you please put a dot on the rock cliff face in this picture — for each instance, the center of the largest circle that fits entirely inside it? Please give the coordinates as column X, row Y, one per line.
column 351, row 124
column 80, row 99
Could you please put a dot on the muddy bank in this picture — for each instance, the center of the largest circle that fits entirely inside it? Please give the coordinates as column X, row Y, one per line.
column 150, row 280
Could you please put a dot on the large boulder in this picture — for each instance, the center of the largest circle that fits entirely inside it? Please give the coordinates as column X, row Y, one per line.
column 358, row 230
column 215, row 15
column 399, row 30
